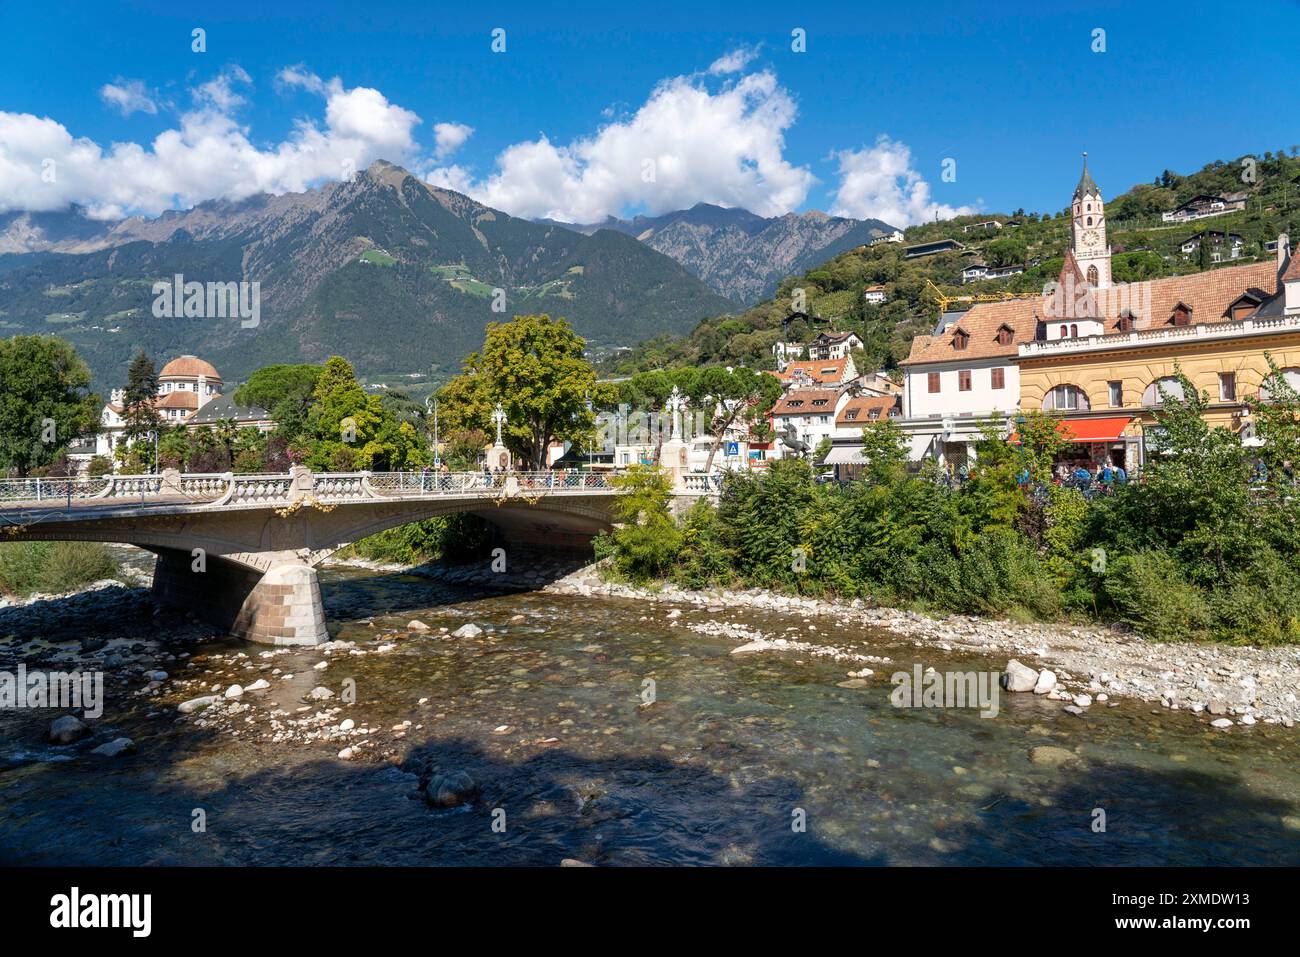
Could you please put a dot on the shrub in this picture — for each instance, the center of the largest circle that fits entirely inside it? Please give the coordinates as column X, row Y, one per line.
column 1149, row 592
column 52, row 567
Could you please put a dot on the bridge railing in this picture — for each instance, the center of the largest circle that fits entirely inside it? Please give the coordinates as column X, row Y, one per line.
column 389, row 484
column 52, row 489
column 275, row 488
column 700, row 483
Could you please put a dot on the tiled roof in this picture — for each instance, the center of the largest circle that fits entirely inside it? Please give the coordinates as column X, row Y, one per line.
column 223, row 407
column 179, row 399
column 1208, row 294
column 831, row 370
column 1292, row 272
column 865, row 409
column 982, row 323
column 188, row 367
column 800, row 402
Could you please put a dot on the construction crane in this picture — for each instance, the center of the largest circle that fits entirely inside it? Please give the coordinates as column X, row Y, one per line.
column 945, row 300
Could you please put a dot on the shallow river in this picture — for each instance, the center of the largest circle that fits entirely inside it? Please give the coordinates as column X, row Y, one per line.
column 548, row 715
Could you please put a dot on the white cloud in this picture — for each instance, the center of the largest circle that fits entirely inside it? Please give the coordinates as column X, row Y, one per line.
column 43, row 166
column 128, row 96
column 879, row 182
column 449, row 137
column 687, row 143
column 733, row 62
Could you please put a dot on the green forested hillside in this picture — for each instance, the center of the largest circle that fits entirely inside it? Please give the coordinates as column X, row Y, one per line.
column 1144, row 247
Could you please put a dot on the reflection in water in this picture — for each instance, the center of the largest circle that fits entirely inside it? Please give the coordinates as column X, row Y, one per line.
column 547, row 711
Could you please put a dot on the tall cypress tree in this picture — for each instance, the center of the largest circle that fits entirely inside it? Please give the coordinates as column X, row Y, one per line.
column 140, row 414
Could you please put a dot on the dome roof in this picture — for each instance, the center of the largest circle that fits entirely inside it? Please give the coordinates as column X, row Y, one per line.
column 188, row 367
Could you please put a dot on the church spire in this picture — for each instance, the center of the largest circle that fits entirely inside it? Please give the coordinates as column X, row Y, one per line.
column 1086, row 186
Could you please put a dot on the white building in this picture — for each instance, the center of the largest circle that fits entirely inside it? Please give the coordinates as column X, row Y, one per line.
column 833, row 345
column 965, row 375
column 810, row 412
column 185, row 385
column 875, row 295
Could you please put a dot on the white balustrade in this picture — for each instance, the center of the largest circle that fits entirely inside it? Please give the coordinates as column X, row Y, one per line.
column 222, row 489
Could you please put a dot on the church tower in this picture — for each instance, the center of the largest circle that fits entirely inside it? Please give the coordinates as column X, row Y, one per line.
column 1088, row 232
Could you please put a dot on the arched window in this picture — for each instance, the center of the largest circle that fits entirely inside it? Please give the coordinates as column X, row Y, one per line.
column 1151, row 398
column 1093, row 276
column 1066, row 397
column 1290, row 375
column 1065, row 332
column 1074, row 330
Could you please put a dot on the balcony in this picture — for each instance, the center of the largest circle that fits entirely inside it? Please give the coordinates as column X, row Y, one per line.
column 1175, row 335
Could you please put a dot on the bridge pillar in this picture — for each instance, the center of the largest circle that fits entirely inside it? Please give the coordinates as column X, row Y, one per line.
column 281, row 606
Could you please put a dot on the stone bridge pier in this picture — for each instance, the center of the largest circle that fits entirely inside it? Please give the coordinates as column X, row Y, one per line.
column 279, row 606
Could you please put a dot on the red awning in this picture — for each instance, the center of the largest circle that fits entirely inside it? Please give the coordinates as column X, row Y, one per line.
column 1088, row 430
column 1097, row 430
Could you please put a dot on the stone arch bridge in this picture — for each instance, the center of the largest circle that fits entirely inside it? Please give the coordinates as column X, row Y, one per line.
column 240, row 551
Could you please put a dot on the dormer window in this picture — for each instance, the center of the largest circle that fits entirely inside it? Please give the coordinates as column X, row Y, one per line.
column 1127, row 321
column 960, row 338
column 1243, row 306
column 1182, row 315
column 1005, row 335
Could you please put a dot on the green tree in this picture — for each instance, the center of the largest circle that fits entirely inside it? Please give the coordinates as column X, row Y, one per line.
column 731, row 398
column 1277, row 422
column 534, row 366
column 139, row 402
column 885, row 452
column 45, row 401
column 647, row 539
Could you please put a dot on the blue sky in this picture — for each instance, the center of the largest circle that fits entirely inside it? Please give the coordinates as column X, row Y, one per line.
column 565, row 121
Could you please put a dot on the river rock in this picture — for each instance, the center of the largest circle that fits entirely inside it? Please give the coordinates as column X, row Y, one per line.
column 449, row 790
column 196, row 704
column 67, row 729
column 1017, row 677
column 235, row 691
column 347, row 724
column 1217, row 706
column 115, row 747
column 1083, row 700
column 416, row 625
column 574, row 862
column 1046, row 682
column 1221, row 723
column 1051, row 756
column 320, row 693
column 261, row 684
column 467, row 631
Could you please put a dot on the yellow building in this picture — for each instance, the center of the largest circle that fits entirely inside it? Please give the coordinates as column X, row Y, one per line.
column 1102, row 352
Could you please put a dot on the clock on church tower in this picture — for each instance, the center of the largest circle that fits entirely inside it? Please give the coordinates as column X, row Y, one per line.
column 1088, row 230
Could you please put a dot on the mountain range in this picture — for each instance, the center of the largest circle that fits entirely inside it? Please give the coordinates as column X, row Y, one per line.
column 393, row 273
column 739, row 254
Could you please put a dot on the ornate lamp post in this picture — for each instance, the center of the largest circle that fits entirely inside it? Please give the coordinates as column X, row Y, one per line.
column 674, row 405
column 499, row 417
